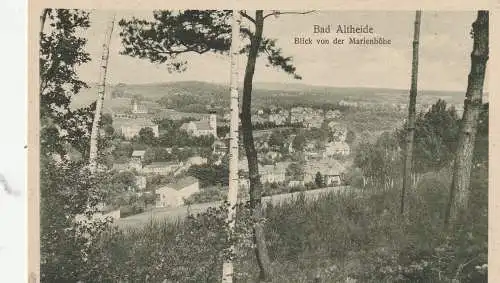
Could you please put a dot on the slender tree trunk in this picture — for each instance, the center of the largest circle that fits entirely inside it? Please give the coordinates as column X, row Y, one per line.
column 253, row 170
column 459, row 191
column 43, row 17
column 410, row 128
column 100, row 99
column 232, row 196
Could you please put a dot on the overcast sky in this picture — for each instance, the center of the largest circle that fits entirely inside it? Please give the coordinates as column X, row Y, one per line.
column 445, row 45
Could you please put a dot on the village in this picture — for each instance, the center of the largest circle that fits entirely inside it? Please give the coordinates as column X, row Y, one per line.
column 170, row 158
column 299, row 149
column 205, row 146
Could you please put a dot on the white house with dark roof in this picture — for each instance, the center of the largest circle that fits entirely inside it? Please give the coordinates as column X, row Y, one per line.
column 173, row 194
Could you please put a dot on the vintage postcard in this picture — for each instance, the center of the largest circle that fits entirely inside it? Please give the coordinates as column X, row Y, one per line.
column 233, row 144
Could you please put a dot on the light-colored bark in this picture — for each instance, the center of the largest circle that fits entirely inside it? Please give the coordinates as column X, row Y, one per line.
column 459, row 191
column 410, row 128
column 227, row 268
column 100, row 99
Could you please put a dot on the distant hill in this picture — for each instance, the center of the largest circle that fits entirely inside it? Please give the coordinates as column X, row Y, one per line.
column 264, row 94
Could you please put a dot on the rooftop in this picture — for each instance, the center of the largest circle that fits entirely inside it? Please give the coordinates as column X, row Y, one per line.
column 138, row 153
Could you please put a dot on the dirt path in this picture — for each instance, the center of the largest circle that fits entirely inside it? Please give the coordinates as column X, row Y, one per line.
column 179, row 213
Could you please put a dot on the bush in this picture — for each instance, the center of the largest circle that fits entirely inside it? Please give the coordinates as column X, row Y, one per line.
column 188, row 251
column 129, row 210
column 209, row 194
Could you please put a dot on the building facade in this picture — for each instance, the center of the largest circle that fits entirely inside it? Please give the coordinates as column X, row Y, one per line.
column 205, row 127
column 173, row 195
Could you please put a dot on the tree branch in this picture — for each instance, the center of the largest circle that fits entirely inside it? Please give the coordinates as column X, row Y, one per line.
column 276, row 13
column 245, row 15
column 186, row 50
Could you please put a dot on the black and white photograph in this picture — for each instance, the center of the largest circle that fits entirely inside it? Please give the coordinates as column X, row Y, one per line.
column 263, row 145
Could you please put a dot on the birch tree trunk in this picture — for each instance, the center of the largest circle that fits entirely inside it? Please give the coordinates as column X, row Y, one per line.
column 410, row 128
column 232, row 196
column 460, row 186
column 100, row 99
column 253, row 167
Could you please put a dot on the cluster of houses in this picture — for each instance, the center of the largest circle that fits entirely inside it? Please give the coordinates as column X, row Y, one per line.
column 276, row 115
column 330, row 170
column 137, row 163
column 129, row 124
column 401, row 107
column 171, row 194
column 181, row 188
column 312, row 149
column 308, row 116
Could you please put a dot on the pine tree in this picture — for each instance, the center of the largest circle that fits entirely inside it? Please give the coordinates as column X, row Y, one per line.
column 459, row 191
column 410, row 130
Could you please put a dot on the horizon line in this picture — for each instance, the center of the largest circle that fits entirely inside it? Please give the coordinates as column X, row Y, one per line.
column 285, row 83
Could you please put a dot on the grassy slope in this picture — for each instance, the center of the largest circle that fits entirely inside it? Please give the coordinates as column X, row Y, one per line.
column 334, row 237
